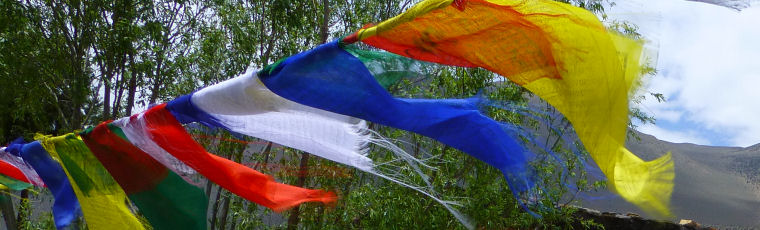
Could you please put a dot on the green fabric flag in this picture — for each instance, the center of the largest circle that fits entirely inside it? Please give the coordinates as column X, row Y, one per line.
column 162, row 196
column 13, row 184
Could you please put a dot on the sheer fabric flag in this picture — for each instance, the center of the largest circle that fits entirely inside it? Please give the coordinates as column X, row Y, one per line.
column 16, row 168
column 167, row 201
column 559, row 52
column 136, row 131
column 332, row 79
column 9, row 170
column 244, row 105
column 66, row 208
column 11, row 176
column 103, row 202
column 250, row 184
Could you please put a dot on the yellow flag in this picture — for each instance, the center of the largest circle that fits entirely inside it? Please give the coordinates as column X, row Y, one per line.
column 559, row 52
column 103, row 202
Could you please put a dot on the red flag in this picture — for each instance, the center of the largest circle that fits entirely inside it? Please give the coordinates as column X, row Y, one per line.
column 12, row 172
column 250, row 184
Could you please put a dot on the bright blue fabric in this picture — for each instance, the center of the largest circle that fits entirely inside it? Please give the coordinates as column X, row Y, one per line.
column 66, row 206
column 186, row 112
column 332, row 79
column 15, row 147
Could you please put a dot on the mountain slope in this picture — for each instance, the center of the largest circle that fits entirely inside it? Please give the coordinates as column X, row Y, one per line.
column 717, row 186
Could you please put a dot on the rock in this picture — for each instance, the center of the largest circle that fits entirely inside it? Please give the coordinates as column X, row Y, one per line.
column 634, row 216
column 689, row 224
column 632, row 221
column 685, row 222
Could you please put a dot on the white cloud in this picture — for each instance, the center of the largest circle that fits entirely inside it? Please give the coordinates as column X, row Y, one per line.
column 708, row 61
column 669, row 115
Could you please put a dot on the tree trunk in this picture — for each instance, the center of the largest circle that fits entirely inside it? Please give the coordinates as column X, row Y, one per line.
column 226, row 201
column 302, row 172
column 132, row 87
column 267, row 152
column 6, row 204
column 23, row 207
column 81, row 86
column 159, row 78
column 119, row 93
column 224, row 211
column 215, row 209
column 106, row 97
column 154, row 91
column 233, row 221
column 107, row 101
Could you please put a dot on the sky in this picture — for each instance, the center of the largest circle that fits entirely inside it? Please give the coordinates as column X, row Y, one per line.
column 708, row 64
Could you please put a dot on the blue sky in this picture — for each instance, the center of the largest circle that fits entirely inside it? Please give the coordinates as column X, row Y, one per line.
column 709, row 70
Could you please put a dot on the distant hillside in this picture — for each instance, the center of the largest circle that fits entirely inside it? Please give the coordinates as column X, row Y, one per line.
column 718, row 186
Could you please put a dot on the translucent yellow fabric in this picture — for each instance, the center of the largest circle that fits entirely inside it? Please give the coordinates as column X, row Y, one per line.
column 559, row 52
column 103, row 202
column 416, row 10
